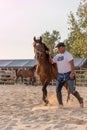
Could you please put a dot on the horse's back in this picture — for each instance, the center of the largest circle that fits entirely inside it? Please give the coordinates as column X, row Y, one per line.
column 25, row 72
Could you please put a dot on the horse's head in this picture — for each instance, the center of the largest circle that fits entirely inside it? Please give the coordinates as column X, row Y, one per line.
column 39, row 49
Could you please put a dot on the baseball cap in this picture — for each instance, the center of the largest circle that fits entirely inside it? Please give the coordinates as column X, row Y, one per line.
column 60, row 44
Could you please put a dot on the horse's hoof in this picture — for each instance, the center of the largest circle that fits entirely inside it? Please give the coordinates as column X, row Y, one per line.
column 46, row 102
column 61, row 107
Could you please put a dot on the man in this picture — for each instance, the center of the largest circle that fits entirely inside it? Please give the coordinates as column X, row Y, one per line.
column 65, row 65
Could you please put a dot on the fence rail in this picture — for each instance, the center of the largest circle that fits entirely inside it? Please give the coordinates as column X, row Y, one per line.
column 8, row 77
column 81, row 78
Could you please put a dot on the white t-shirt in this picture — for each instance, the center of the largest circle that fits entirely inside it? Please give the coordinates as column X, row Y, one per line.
column 62, row 61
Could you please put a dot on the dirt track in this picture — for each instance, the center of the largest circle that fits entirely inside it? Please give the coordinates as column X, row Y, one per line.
column 21, row 108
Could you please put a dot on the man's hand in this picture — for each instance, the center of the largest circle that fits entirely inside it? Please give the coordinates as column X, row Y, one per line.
column 48, row 52
column 72, row 75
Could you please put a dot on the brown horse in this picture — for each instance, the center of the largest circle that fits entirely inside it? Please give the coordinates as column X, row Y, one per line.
column 26, row 73
column 45, row 70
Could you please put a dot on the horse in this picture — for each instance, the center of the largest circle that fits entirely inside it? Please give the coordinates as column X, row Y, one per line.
column 26, row 73
column 45, row 69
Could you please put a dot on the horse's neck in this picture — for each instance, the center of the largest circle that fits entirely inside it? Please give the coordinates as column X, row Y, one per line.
column 43, row 62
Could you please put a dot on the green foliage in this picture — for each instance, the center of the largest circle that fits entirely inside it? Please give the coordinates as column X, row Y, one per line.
column 77, row 40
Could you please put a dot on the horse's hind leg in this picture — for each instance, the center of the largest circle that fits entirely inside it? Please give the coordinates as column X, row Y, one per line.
column 44, row 89
column 68, row 97
column 68, row 91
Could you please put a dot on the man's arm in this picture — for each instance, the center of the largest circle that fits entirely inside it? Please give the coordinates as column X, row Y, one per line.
column 72, row 65
column 72, row 74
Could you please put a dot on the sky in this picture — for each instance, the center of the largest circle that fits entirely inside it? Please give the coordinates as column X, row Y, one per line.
column 21, row 20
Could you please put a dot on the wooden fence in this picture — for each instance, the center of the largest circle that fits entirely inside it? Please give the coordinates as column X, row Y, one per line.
column 81, row 78
column 9, row 77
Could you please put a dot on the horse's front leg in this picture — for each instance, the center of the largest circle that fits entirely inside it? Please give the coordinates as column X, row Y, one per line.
column 44, row 89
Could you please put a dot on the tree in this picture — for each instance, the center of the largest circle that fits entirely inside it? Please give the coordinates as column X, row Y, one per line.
column 50, row 39
column 77, row 40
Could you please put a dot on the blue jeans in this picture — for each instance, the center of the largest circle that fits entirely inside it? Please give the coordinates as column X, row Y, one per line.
column 64, row 78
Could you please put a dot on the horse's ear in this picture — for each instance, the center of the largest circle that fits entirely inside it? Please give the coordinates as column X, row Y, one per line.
column 34, row 38
column 40, row 39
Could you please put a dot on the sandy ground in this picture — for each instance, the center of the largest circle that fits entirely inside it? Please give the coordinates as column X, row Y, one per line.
column 21, row 108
